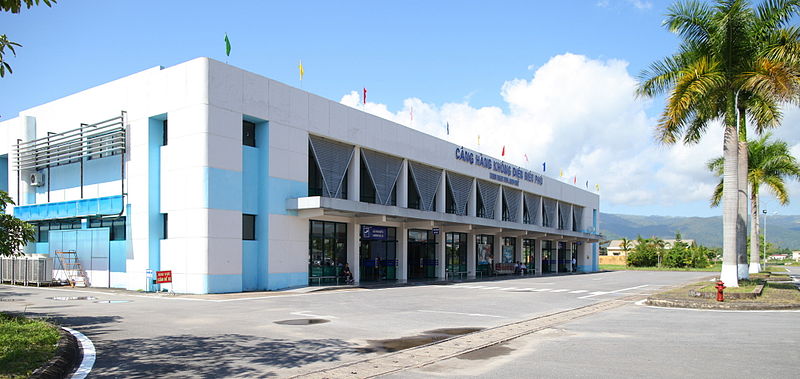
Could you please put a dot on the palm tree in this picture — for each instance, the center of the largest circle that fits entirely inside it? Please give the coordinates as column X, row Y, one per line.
column 729, row 53
column 769, row 163
column 625, row 244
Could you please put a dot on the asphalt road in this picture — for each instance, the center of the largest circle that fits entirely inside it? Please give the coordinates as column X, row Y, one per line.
column 237, row 335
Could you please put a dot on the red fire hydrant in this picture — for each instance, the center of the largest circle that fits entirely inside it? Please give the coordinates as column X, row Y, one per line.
column 720, row 295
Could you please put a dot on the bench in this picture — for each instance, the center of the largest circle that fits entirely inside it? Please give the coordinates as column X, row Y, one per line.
column 461, row 274
column 504, row 268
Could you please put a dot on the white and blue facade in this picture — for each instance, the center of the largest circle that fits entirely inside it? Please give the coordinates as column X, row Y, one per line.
column 237, row 182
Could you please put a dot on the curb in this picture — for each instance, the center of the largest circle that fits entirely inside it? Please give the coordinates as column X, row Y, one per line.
column 721, row 305
column 67, row 355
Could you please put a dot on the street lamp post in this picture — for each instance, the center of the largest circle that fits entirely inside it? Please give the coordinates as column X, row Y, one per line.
column 765, row 239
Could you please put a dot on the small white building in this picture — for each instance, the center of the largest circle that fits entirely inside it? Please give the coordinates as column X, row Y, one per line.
column 236, row 182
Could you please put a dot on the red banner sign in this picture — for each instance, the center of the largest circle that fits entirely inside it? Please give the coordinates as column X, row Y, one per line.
column 163, row 277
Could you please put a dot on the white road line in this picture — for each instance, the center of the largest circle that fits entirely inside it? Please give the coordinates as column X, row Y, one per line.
column 609, row 292
column 562, row 290
column 89, row 355
column 490, row 288
column 542, row 289
column 578, row 291
column 308, row 314
column 509, row 289
column 459, row 313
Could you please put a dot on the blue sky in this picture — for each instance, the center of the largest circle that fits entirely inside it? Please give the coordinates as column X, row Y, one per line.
column 548, row 79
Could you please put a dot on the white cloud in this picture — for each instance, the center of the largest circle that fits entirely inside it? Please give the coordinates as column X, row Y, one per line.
column 579, row 115
column 640, row 4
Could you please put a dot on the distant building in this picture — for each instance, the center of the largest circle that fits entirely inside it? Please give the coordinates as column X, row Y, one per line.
column 779, row 257
column 615, row 247
column 796, row 255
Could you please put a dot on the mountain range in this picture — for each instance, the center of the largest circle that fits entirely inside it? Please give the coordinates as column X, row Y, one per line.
column 782, row 231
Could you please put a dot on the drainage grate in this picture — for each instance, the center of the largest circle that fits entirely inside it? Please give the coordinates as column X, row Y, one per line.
column 303, row 321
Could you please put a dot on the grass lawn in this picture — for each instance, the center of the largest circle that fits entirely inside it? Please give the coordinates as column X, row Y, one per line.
column 25, row 345
column 715, row 267
column 774, row 293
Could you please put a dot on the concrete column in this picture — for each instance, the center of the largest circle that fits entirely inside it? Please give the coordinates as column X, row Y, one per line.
column 354, row 178
column 554, row 260
column 353, row 247
column 537, row 256
column 440, row 194
column 402, row 185
column 521, row 209
column 497, row 248
column 402, row 254
column 471, row 244
column 585, row 257
column 472, row 209
column 517, row 249
column 441, row 255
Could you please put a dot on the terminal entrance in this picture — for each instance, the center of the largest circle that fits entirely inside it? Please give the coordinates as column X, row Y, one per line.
column 456, row 254
column 421, row 254
column 378, row 253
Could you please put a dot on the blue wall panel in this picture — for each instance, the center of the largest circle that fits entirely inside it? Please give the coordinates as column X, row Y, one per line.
column 224, row 189
column 250, row 169
column 250, row 265
column 108, row 205
column 154, row 141
column 224, row 283
column 281, row 190
column 118, row 251
column 4, row 172
column 285, row 280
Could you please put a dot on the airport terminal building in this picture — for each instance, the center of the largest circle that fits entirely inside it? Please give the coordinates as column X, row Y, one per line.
column 236, row 182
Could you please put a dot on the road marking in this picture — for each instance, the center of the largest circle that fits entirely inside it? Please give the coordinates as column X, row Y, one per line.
column 308, row 314
column 543, row 289
column 508, row 288
column 578, row 291
column 89, row 354
column 459, row 313
column 561, row 290
column 604, row 293
column 490, row 288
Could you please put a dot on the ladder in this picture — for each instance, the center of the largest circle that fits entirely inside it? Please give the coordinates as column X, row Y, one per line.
column 72, row 268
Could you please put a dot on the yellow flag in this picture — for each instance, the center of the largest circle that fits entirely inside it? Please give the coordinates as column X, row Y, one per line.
column 597, row 187
column 479, row 139
column 561, row 173
column 302, row 71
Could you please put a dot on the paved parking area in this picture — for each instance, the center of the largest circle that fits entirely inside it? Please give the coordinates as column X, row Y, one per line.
column 139, row 335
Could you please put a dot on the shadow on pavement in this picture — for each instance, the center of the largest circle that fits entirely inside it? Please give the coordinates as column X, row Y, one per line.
column 224, row 355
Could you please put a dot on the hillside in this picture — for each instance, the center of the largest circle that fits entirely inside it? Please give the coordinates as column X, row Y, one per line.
column 783, row 231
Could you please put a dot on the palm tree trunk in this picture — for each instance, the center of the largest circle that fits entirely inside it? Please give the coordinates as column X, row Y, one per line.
column 755, row 251
column 730, row 196
column 741, row 219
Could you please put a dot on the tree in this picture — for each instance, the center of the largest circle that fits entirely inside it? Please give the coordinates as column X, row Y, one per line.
column 728, row 52
column 625, row 245
column 769, row 164
column 14, row 6
column 14, row 233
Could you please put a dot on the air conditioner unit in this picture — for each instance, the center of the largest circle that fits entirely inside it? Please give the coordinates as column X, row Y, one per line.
column 36, row 179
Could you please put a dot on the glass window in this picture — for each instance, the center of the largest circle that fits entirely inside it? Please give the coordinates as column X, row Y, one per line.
column 413, row 195
column 367, row 189
column 164, row 226
column 327, row 250
column 44, row 229
column 248, row 133
column 248, row 227
column 117, row 229
column 164, row 133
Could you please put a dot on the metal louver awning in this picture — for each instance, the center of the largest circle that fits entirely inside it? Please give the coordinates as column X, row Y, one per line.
column 384, row 171
column 427, row 179
column 565, row 214
column 534, row 204
column 102, row 139
column 461, row 189
column 489, row 192
column 578, row 211
column 549, row 206
column 332, row 158
column 513, row 201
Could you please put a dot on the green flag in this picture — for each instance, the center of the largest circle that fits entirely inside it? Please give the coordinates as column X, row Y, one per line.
column 227, row 45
